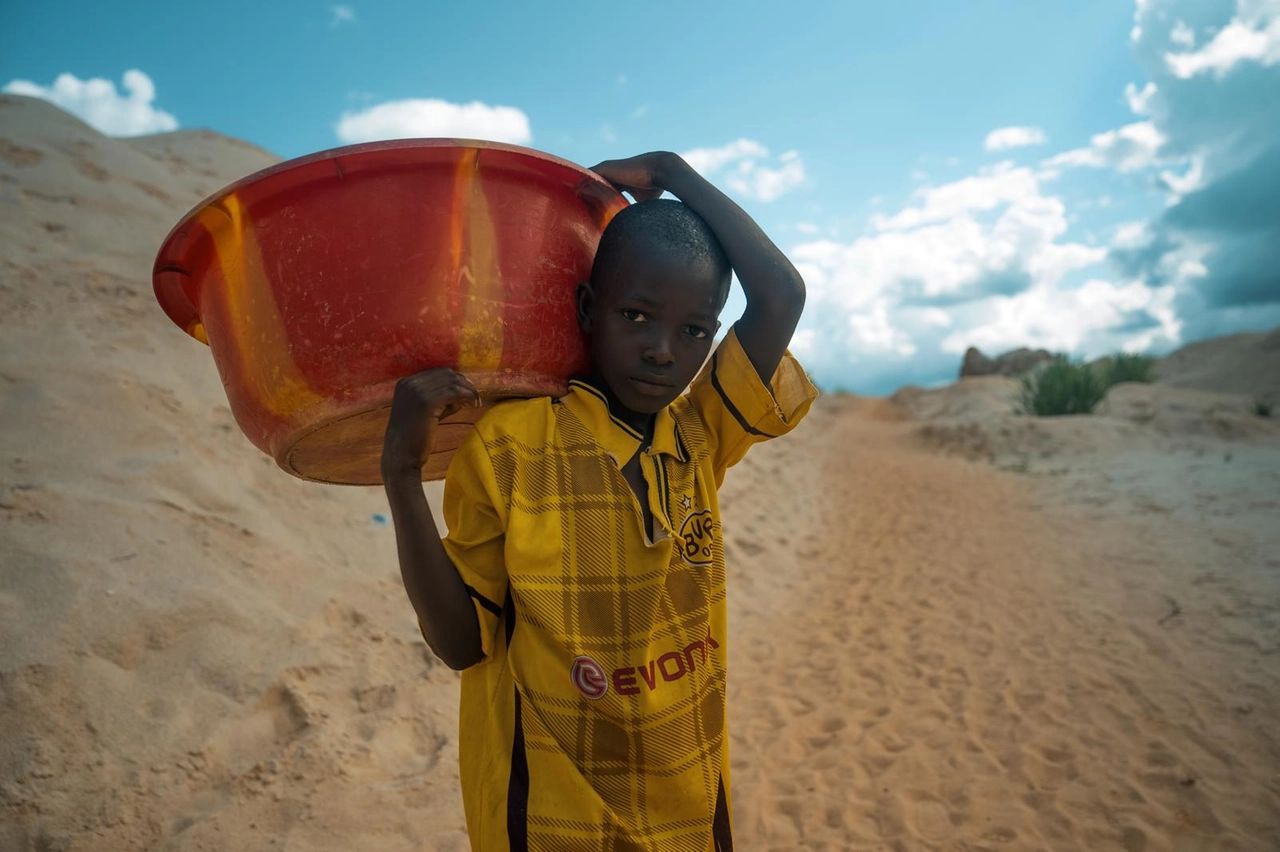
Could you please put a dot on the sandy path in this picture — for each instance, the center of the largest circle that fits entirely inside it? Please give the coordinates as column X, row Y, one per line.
column 926, row 654
column 957, row 664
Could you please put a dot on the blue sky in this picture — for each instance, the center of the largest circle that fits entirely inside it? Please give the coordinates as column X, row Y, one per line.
column 1081, row 176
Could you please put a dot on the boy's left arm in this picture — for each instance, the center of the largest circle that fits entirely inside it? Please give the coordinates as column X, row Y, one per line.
column 773, row 287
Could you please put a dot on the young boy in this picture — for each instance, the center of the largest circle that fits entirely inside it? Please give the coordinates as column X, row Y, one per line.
column 581, row 588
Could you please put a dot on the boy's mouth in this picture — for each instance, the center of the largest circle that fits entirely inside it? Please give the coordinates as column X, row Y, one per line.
column 651, row 386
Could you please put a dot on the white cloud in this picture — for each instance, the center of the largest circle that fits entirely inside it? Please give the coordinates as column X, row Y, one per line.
column 1252, row 35
column 1217, row 240
column 432, row 117
column 342, row 14
column 1064, row 319
column 1189, row 181
column 1131, row 235
column 874, row 330
column 990, row 188
column 1126, row 149
column 806, row 227
column 639, row 112
column 942, row 250
column 707, row 161
column 936, row 317
column 1182, row 35
column 1140, row 99
column 1139, row 9
column 1014, row 137
column 745, row 173
column 101, row 106
column 802, row 342
column 766, row 184
column 937, row 270
column 988, row 259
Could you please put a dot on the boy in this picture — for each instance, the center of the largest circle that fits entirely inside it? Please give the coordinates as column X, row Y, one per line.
column 581, row 587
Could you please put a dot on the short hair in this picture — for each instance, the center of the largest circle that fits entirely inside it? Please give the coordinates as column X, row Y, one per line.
column 665, row 224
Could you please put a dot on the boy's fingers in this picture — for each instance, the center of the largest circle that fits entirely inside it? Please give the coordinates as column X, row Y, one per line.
column 461, row 393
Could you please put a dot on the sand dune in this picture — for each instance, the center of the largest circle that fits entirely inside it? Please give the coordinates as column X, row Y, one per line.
column 958, row 630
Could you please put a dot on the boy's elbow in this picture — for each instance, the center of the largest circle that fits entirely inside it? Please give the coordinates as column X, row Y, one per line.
column 790, row 295
column 460, row 663
column 455, row 656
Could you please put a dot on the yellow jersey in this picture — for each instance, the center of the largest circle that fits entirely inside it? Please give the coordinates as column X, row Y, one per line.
column 596, row 720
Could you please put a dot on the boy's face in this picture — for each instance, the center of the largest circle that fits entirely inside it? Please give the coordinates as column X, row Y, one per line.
column 650, row 325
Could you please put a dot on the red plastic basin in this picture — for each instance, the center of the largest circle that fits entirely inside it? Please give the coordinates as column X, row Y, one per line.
column 321, row 281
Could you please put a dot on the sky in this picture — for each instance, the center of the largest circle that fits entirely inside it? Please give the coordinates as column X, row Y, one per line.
column 1076, row 175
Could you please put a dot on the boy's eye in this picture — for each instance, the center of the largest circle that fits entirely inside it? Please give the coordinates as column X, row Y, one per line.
column 635, row 316
column 696, row 332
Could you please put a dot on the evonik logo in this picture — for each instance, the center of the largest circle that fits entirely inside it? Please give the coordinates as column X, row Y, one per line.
column 589, row 676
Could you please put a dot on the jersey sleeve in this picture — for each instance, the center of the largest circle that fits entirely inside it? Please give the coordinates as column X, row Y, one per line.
column 738, row 410
column 475, row 513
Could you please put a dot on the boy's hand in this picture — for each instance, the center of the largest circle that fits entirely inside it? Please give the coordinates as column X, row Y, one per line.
column 420, row 401
column 640, row 175
column 774, row 289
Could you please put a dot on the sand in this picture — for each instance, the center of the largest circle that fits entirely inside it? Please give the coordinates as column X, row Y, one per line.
column 958, row 629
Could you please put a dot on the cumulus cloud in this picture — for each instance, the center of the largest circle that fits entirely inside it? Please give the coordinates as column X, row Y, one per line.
column 995, row 233
column 1182, row 35
column 1139, row 100
column 1127, row 149
column 965, row 261
column 1063, row 320
column 741, row 164
column 433, row 117
column 707, row 161
column 991, row 260
column 990, row 188
column 1252, row 35
column 100, row 105
column 1139, row 12
column 1130, row 235
column 1217, row 242
column 1014, row 137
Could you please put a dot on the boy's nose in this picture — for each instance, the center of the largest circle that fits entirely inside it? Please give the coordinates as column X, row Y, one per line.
column 659, row 350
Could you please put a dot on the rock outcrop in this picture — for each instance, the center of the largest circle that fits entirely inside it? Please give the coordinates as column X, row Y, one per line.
column 1013, row 363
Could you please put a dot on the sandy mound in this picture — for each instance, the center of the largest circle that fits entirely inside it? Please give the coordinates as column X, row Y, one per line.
column 1246, row 364
column 977, row 417
column 200, row 652
column 189, row 639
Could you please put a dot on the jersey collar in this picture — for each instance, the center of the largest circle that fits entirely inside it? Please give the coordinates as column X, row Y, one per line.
column 620, row 440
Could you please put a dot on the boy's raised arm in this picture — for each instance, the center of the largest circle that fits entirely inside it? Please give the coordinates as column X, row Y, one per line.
column 436, row 590
column 774, row 289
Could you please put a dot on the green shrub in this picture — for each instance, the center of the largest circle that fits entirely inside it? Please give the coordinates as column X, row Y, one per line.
column 1062, row 387
column 1126, row 367
column 1262, row 407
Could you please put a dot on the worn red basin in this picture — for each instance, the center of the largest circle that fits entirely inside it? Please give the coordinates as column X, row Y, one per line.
column 321, row 281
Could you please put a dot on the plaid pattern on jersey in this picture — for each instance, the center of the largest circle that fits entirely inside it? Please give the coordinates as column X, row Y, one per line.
column 596, row 720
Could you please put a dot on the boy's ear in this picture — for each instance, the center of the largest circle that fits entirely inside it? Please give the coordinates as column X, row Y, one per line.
column 585, row 299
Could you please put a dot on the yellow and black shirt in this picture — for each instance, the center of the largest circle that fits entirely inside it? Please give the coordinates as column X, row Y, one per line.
column 596, row 720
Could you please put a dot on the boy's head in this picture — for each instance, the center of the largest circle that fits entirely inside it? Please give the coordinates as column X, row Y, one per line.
column 658, row 284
